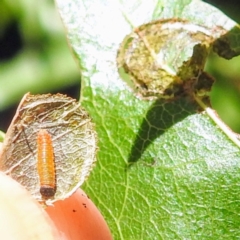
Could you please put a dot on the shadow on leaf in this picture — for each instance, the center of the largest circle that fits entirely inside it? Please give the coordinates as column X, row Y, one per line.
column 160, row 117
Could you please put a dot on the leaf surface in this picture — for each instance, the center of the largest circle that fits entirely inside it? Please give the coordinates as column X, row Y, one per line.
column 164, row 170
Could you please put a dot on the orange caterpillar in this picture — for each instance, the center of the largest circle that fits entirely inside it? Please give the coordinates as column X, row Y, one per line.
column 45, row 164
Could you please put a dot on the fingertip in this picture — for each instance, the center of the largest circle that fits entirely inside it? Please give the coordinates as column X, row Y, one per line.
column 78, row 218
column 21, row 217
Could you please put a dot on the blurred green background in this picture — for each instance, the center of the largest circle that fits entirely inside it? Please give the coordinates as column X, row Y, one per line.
column 35, row 57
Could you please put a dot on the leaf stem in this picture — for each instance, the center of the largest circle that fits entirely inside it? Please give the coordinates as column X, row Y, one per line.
column 214, row 116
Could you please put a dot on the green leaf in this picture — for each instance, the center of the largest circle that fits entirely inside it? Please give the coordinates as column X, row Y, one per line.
column 164, row 171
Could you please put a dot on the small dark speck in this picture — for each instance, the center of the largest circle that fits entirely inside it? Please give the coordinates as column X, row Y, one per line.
column 84, row 204
column 74, row 210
